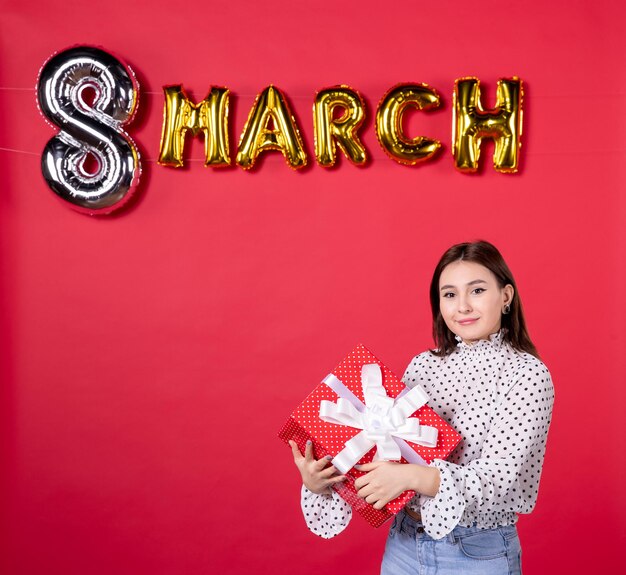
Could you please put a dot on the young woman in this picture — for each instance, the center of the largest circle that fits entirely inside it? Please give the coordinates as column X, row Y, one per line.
column 486, row 380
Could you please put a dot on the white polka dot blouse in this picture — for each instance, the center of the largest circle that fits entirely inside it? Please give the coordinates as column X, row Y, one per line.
column 500, row 401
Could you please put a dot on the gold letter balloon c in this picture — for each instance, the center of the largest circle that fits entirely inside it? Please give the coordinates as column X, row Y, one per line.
column 389, row 130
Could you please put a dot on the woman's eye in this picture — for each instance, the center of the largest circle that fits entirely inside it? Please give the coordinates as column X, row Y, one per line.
column 448, row 294
column 478, row 290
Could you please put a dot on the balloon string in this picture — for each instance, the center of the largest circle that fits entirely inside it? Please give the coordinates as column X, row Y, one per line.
column 535, row 96
column 372, row 157
column 142, row 159
column 144, row 92
column 19, row 151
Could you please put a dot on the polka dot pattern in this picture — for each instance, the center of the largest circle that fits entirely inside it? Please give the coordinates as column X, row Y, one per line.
column 326, row 514
column 330, row 439
column 500, row 400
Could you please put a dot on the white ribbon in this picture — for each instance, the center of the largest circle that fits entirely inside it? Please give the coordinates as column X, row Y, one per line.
column 386, row 422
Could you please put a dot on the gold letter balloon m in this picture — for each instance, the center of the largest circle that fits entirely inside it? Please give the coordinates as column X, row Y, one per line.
column 209, row 117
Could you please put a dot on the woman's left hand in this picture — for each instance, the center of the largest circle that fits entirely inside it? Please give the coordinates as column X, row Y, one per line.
column 383, row 481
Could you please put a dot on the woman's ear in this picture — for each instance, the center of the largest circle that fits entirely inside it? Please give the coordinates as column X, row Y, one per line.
column 509, row 292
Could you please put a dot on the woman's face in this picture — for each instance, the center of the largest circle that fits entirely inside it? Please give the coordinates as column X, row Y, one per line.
column 471, row 301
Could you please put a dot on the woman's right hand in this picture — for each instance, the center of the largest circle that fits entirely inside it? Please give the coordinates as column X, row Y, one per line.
column 317, row 474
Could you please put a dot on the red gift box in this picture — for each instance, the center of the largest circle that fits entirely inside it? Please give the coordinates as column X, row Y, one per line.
column 330, row 438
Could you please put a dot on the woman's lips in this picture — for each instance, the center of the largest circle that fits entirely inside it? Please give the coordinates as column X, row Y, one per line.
column 466, row 321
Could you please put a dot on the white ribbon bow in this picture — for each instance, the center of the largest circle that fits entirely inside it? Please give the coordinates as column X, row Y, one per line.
column 386, row 422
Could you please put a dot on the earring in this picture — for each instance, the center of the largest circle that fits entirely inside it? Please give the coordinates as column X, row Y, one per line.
column 507, row 309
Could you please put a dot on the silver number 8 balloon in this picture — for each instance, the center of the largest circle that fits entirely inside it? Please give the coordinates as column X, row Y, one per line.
column 91, row 163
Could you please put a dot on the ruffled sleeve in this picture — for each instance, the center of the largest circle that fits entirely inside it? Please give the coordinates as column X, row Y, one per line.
column 326, row 515
column 505, row 477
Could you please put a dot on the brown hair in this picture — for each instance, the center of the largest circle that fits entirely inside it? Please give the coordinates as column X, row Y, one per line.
column 513, row 324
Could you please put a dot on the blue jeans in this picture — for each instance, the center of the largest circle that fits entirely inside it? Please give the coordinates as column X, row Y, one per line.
column 467, row 550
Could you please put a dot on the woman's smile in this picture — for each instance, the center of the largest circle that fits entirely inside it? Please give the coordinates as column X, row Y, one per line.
column 467, row 321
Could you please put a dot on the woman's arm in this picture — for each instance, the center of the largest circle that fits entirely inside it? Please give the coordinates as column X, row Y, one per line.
column 325, row 512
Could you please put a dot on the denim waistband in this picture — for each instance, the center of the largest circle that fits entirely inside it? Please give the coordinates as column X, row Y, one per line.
column 415, row 528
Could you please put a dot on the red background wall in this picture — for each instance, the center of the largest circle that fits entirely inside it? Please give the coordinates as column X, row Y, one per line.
column 149, row 358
